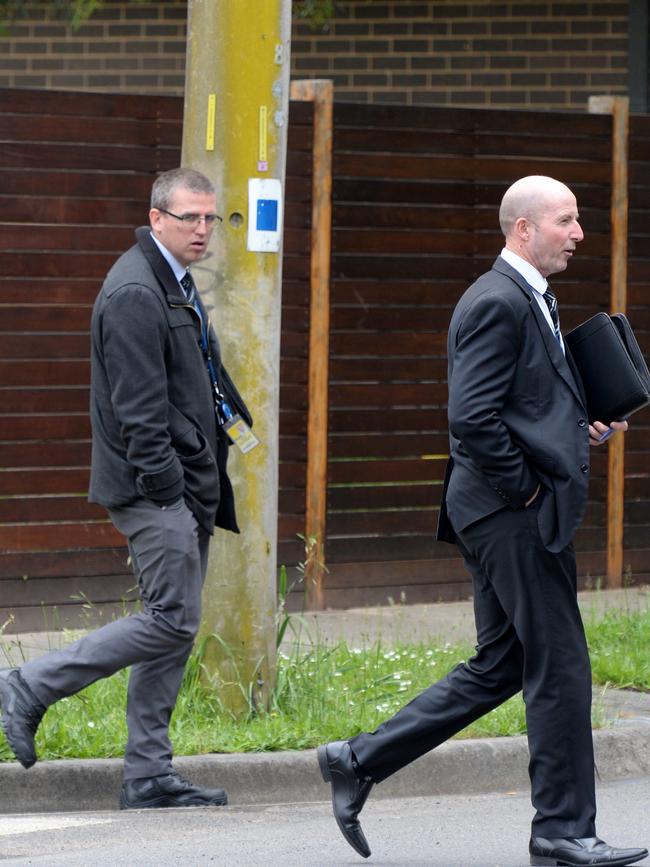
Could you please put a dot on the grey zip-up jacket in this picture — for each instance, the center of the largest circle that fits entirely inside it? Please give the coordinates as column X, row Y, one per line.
column 155, row 433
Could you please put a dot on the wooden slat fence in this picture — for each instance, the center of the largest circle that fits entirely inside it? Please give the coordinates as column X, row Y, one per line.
column 636, row 536
column 415, row 198
column 75, row 177
column 416, row 195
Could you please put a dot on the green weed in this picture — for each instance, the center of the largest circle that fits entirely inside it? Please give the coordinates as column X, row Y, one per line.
column 322, row 692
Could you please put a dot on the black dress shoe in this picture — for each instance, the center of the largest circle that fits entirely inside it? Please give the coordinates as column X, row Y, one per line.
column 579, row 851
column 349, row 791
column 21, row 715
column 168, row 790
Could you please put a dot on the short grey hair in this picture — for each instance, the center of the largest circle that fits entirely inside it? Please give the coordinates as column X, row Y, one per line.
column 168, row 182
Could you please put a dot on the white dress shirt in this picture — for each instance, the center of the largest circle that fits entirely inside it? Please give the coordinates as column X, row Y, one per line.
column 538, row 283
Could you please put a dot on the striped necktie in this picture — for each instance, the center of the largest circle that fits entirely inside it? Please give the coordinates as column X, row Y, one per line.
column 189, row 288
column 551, row 303
column 224, row 412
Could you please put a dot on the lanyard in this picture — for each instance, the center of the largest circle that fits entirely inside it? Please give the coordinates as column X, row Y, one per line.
column 222, row 407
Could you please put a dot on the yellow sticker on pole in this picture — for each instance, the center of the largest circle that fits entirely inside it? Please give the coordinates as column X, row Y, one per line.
column 262, row 158
column 210, row 122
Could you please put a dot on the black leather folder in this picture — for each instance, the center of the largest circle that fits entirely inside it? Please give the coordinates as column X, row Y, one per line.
column 612, row 368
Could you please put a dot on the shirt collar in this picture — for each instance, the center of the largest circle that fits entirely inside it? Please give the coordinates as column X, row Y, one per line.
column 534, row 279
column 179, row 270
column 530, row 274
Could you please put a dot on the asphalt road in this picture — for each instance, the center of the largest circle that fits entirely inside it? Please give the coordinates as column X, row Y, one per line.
column 442, row 831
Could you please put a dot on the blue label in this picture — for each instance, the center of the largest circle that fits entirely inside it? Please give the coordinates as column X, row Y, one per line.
column 267, row 215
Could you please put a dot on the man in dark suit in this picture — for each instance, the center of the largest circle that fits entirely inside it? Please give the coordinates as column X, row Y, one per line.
column 158, row 398
column 514, row 495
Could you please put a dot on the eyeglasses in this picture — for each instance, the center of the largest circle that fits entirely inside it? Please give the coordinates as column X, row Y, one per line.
column 193, row 219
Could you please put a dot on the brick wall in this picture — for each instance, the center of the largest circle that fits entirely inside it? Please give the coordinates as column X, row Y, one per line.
column 522, row 54
column 543, row 55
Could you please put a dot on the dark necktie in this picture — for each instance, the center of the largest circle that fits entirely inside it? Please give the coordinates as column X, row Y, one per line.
column 189, row 288
column 551, row 303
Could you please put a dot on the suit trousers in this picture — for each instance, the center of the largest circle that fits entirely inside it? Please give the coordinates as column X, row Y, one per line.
column 169, row 554
column 529, row 636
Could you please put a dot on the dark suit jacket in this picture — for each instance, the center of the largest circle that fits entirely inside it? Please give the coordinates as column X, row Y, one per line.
column 517, row 415
column 155, row 433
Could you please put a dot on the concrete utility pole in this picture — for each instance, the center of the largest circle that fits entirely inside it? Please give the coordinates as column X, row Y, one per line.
column 235, row 132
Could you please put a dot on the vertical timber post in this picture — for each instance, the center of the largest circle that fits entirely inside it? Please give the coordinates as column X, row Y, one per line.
column 235, row 131
column 619, row 108
column 321, row 92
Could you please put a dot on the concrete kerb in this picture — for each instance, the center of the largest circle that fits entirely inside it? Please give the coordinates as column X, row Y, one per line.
column 458, row 766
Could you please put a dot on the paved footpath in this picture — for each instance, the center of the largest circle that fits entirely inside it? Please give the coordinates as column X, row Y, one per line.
column 465, row 767
column 489, row 830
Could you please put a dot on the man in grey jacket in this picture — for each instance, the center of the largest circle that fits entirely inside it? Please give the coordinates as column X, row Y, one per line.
column 159, row 399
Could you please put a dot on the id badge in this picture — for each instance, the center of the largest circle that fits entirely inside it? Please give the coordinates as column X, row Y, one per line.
column 240, row 433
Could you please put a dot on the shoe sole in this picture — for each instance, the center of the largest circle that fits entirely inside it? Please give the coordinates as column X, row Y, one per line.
column 544, row 861
column 164, row 802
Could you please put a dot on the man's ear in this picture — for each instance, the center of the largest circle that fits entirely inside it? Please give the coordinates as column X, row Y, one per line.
column 154, row 219
column 522, row 228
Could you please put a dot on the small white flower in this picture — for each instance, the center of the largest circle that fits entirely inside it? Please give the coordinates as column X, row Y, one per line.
column 91, row 724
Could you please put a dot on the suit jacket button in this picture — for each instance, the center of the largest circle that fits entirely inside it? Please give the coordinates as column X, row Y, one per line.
column 581, row 422
column 584, row 468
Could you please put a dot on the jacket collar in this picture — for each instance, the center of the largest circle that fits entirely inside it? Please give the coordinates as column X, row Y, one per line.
column 564, row 365
column 160, row 266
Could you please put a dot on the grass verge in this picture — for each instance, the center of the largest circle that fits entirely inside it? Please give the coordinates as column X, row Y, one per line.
column 323, row 692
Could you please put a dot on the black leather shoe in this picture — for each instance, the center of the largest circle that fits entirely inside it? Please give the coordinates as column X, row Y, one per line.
column 21, row 715
column 578, row 851
column 349, row 791
column 168, row 790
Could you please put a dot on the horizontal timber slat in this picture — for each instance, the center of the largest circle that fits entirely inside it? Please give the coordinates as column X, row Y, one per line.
column 35, row 537
column 378, row 471
column 359, row 596
column 63, row 590
column 390, row 445
column 48, row 400
column 41, row 508
column 370, row 498
column 49, row 453
column 44, row 427
column 55, row 372
column 348, row 420
column 101, row 131
column 55, row 563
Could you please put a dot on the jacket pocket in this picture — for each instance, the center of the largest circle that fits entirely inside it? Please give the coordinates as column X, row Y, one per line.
column 201, row 473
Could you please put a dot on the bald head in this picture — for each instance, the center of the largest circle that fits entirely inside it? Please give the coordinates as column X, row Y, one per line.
column 539, row 218
column 529, row 197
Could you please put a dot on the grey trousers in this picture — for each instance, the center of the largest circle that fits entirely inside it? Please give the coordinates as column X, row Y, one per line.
column 169, row 553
